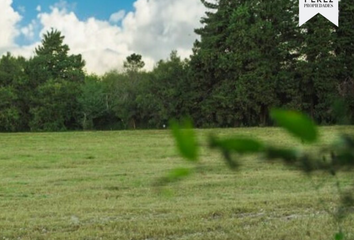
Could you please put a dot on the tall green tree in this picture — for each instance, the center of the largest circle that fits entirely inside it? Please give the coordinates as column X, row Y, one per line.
column 133, row 63
column 55, row 77
column 317, row 69
column 208, row 64
column 93, row 101
column 13, row 94
column 127, row 89
column 166, row 94
column 245, row 52
column 344, row 52
column 123, row 89
column 263, row 51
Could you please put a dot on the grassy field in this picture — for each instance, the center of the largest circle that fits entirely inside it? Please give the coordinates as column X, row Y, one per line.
column 100, row 185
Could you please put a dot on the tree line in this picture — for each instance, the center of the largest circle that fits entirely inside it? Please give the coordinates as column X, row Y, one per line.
column 251, row 56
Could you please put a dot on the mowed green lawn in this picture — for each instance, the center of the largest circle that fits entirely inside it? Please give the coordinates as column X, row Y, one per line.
column 100, row 185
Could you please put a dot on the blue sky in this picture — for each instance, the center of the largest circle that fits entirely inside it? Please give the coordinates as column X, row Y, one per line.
column 104, row 32
column 83, row 9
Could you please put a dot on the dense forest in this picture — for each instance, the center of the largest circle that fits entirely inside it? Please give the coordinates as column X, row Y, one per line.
column 251, row 56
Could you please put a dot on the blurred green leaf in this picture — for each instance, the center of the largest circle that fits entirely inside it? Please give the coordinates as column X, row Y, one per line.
column 296, row 123
column 346, row 141
column 288, row 155
column 343, row 159
column 347, row 198
column 174, row 175
column 229, row 161
column 339, row 236
column 309, row 165
column 239, row 145
column 177, row 174
column 339, row 111
column 185, row 139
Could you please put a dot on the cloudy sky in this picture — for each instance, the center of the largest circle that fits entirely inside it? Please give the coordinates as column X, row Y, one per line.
column 105, row 32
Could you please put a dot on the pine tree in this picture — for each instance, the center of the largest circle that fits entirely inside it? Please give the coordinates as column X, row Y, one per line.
column 344, row 51
column 55, row 78
column 317, row 70
column 13, row 96
column 247, row 51
column 208, row 63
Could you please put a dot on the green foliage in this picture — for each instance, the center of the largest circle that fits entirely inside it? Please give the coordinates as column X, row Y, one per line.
column 251, row 57
column 174, row 175
column 9, row 114
column 185, row 139
column 55, row 78
column 41, row 94
column 240, row 60
column 296, row 123
column 13, row 94
column 340, row 153
column 165, row 94
column 288, row 155
column 339, row 236
column 55, row 107
column 134, row 63
column 235, row 145
column 52, row 60
column 122, row 92
column 238, row 145
column 93, row 101
column 139, row 99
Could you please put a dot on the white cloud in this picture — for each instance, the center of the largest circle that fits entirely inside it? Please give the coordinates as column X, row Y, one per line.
column 98, row 41
column 153, row 29
column 8, row 23
column 38, row 8
column 22, row 9
column 159, row 26
column 29, row 31
column 117, row 16
column 62, row 4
